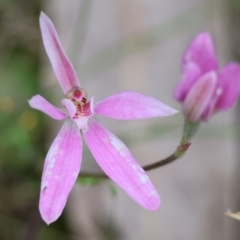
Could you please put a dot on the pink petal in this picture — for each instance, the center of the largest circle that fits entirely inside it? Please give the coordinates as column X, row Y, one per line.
column 199, row 98
column 190, row 75
column 208, row 112
column 69, row 105
column 229, row 86
column 119, row 164
column 201, row 52
column 132, row 105
column 62, row 67
column 61, row 169
column 40, row 103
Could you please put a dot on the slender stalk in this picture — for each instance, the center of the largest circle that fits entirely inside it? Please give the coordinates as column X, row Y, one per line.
column 35, row 224
column 181, row 149
column 188, row 132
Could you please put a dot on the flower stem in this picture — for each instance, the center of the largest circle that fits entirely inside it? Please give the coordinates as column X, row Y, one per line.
column 181, row 149
column 190, row 128
column 189, row 131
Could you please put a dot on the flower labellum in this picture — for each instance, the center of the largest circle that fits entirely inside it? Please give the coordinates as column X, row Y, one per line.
column 204, row 89
column 63, row 160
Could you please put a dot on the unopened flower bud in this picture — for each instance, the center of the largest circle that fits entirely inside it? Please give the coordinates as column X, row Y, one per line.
column 204, row 90
column 199, row 97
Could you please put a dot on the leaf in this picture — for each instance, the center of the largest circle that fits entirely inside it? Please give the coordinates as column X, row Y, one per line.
column 113, row 190
column 90, row 181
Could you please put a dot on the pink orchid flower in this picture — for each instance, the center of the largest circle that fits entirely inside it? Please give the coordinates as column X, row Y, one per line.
column 63, row 161
column 203, row 89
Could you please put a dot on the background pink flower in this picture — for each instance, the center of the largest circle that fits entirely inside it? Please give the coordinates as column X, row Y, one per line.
column 204, row 89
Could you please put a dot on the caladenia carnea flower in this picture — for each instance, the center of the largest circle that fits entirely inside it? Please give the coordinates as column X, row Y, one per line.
column 63, row 160
column 204, row 89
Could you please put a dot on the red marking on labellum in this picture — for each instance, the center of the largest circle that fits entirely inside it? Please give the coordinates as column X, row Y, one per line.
column 82, row 107
column 79, row 98
column 84, row 100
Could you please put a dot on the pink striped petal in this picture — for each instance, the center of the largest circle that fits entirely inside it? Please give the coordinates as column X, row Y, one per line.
column 211, row 106
column 201, row 52
column 119, row 164
column 132, row 105
column 61, row 169
column 40, row 103
column 229, row 86
column 190, row 75
column 199, row 98
column 62, row 67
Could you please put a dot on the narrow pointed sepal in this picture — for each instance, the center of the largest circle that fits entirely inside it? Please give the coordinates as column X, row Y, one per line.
column 61, row 169
column 62, row 66
column 229, row 86
column 202, row 53
column 118, row 163
column 190, row 76
column 132, row 105
column 41, row 104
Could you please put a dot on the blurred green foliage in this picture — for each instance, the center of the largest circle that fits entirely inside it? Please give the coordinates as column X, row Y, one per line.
column 89, row 181
column 233, row 8
column 22, row 130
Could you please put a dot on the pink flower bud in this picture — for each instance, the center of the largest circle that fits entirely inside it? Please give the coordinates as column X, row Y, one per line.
column 199, row 96
column 203, row 89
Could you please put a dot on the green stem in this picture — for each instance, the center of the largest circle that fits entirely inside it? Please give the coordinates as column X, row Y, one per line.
column 190, row 128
